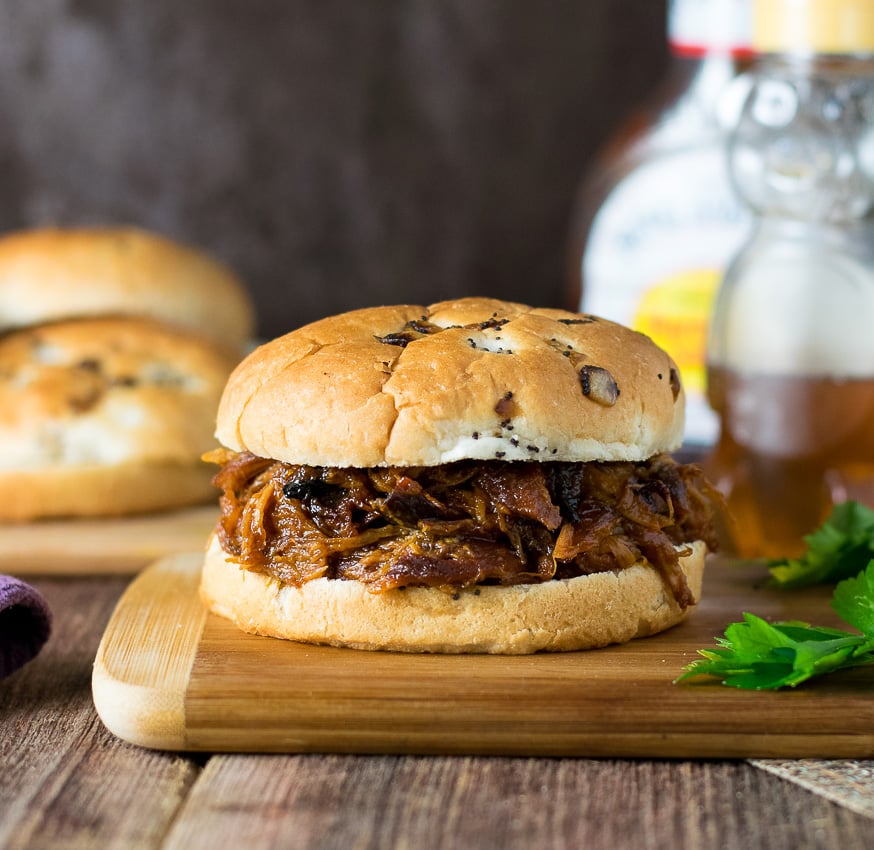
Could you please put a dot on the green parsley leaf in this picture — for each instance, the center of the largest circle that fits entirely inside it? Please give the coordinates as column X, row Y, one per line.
column 838, row 549
column 854, row 601
column 759, row 655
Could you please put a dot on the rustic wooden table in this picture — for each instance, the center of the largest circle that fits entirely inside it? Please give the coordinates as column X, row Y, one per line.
column 65, row 781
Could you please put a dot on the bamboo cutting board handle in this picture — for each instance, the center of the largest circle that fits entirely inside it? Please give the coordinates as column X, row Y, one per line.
column 145, row 657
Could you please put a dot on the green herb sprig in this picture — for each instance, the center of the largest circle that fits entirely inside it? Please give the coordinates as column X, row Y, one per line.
column 759, row 655
column 840, row 548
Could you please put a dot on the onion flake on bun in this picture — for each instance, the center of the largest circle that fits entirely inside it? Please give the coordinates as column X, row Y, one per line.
column 474, row 476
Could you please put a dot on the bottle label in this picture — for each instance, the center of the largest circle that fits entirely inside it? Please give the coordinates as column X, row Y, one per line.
column 656, row 253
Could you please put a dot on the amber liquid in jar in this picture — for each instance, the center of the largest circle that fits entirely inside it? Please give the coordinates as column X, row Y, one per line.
column 791, row 447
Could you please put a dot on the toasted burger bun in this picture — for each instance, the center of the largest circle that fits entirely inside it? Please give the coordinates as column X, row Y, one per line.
column 579, row 613
column 51, row 274
column 332, row 394
column 521, row 384
column 106, row 416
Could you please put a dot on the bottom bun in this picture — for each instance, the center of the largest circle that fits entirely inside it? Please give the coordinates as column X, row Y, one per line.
column 97, row 490
column 579, row 613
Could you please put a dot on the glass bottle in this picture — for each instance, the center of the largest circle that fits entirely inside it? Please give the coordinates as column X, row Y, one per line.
column 791, row 349
column 657, row 220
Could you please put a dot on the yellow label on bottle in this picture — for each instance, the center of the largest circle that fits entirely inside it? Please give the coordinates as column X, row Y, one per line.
column 675, row 314
column 656, row 251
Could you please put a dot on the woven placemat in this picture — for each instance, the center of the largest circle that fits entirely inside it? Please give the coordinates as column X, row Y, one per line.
column 847, row 782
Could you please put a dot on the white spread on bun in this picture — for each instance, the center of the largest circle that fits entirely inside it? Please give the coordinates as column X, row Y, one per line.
column 473, row 476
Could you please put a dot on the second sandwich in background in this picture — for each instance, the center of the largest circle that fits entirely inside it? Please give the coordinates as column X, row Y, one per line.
column 114, row 347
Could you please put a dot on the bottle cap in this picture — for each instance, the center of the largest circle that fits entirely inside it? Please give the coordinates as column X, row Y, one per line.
column 843, row 27
column 698, row 27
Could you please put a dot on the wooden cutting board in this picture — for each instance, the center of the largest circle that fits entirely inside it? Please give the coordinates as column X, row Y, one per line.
column 169, row 675
column 101, row 546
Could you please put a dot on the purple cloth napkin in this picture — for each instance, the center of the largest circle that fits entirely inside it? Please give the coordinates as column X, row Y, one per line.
column 25, row 624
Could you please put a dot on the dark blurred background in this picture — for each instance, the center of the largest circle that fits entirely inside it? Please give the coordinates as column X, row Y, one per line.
column 336, row 153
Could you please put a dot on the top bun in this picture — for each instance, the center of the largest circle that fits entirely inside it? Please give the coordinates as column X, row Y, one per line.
column 52, row 274
column 472, row 378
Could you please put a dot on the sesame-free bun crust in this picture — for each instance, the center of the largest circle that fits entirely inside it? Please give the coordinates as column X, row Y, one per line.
column 49, row 274
column 331, row 393
column 106, row 416
column 560, row 615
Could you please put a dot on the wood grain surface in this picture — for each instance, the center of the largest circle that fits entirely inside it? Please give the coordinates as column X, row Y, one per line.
column 301, row 802
column 95, row 546
column 65, row 782
column 236, row 692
